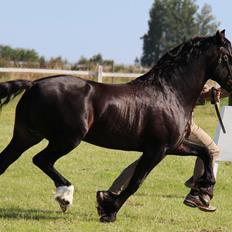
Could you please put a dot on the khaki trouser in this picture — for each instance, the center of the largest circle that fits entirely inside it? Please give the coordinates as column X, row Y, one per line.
column 197, row 135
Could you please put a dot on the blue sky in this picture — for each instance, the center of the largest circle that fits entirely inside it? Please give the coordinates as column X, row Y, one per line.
column 74, row 28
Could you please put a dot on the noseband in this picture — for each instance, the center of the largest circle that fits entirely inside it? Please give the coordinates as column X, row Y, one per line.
column 225, row 58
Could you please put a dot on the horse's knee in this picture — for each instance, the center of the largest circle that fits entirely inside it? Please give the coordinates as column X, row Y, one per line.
column 38, row 160
column 3, row 169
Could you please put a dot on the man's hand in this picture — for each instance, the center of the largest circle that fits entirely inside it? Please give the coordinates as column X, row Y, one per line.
column 206, row 89
column 217, row 94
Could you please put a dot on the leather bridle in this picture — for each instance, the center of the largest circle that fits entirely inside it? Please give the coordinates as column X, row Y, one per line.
column 228, row 81
column 225, row 58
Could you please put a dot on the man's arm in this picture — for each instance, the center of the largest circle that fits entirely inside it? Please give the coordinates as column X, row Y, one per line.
column 206, row 93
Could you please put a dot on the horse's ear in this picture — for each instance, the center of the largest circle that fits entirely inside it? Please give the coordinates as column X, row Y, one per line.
column 220, row 37
column 223, row 32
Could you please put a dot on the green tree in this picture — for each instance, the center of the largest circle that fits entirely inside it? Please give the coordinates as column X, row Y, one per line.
column 6, row 52
column 206, row 22
column 18, row 56
column 96, row 59
column 179, row 22
column 152, row 40
column 42, row 62
column 171, row 22
column 91, row 63
column 83, row 61
column 57, row 62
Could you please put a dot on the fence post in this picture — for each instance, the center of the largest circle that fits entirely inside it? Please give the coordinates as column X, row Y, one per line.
column 99, row 73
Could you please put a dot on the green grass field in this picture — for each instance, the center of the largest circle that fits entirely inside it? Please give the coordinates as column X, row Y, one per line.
column 26, row 194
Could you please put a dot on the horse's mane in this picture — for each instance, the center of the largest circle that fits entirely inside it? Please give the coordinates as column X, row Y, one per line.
column 180, row 55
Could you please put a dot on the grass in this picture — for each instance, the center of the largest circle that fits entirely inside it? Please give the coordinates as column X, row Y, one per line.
column 26, row 194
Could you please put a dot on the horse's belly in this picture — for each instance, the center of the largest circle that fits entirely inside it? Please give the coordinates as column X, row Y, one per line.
column 127, row 142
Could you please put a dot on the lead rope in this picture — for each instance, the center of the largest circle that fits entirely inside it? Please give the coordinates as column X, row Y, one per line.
column 216, row 106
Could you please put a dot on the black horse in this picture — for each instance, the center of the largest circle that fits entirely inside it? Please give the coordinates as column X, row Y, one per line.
column 150, row 114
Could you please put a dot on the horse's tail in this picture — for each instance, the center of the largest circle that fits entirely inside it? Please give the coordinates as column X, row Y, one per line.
column 10, row 89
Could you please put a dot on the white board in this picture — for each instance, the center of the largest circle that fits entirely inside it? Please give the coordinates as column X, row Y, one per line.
column 224, row 141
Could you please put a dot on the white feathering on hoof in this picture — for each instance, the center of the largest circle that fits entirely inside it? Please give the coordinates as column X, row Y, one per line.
column 64, row 196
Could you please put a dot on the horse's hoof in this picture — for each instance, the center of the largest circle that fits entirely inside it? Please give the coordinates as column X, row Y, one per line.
column 64, row 196
column 105, row 207
column 108, row 218
column 64, row 205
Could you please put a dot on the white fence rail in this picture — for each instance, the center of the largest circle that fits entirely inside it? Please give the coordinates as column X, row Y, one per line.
column 99, row 74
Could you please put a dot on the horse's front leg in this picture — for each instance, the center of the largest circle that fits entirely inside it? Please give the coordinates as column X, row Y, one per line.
column 206, row 182
column 110, row 203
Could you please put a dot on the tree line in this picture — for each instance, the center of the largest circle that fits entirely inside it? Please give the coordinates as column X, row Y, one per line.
column 29, row 58
column 171, row 22
column 20, row 57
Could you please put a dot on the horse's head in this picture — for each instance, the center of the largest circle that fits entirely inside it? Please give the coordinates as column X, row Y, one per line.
column 223, row 67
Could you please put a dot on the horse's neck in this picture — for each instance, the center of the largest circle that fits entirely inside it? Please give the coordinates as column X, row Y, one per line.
column 190, row 87
column 185, row 82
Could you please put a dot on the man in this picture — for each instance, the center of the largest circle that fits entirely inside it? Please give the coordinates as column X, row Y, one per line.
column 197, row 135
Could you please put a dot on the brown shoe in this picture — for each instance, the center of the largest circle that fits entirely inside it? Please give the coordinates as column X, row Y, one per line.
column 196, row 202
column 205, row 199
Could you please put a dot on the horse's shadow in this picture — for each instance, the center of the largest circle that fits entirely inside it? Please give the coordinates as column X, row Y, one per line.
column 29, row 214
column 38, row 214
column 171, row 196
column 168, row 196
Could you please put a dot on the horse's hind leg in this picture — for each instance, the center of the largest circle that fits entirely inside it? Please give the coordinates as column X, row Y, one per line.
column 46, row 159
column 21, row 141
